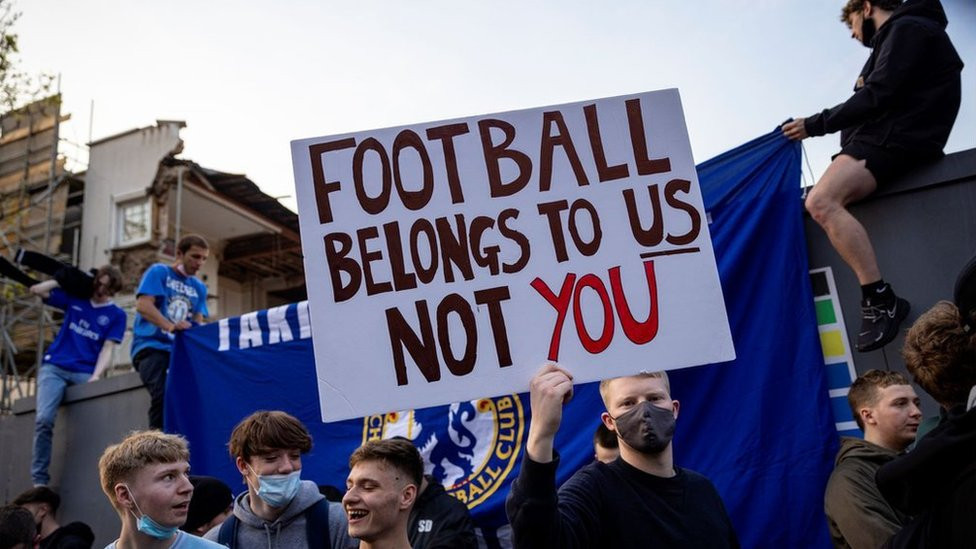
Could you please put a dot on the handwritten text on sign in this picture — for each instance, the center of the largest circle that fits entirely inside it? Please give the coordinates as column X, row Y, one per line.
column 446, row 261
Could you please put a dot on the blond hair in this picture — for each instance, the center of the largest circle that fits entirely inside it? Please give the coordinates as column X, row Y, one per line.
column 139, row 449
column 662, row 375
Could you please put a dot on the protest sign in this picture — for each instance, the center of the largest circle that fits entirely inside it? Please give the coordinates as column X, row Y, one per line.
column 446, row 261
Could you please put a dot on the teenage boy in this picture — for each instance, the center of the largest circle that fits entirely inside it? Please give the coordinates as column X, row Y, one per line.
column 279, row 510
column 145, row 478
column 384, row 478
column 80, row 353
column 169, row 299
column 886, row 408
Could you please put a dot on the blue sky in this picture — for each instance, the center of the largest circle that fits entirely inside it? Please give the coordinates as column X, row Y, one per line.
column 249, row 76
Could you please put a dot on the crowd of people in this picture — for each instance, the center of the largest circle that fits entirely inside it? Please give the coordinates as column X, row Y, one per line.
column 905, row 484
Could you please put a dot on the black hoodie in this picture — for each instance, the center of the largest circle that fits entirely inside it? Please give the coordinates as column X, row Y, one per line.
column 75, row 535
column 909, row 91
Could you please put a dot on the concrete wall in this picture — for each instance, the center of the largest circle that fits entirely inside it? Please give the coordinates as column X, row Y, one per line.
column 119, row 166
column 923, row 228
column 93, row 416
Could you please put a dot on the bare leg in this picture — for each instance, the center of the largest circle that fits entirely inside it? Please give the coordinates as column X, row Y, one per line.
column 845, row 181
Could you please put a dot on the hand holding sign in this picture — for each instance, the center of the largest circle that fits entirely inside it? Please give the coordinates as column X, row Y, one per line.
column 549, row 390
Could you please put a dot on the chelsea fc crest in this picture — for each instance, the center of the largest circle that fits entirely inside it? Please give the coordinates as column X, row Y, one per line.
column 470, row 447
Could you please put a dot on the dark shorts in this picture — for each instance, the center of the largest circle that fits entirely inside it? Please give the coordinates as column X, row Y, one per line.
column 885, row 164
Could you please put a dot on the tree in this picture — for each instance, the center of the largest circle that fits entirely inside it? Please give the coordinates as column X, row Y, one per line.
column 16, row 86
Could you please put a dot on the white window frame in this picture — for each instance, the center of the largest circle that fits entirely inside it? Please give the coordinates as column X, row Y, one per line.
column 119, row 203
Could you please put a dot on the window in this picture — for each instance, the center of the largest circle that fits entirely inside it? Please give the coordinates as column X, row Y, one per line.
column 133, row 221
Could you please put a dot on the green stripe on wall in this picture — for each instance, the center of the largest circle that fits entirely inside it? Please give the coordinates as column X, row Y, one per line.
column 825, row 312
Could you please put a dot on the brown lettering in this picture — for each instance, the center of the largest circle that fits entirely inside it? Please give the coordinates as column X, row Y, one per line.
column 446, row 135
column 494, row 154
column 492, row 297
column 413, row 200
column 604, row 171
column 638, row 140
column 369, row 204
column 670, row 190
column 549, row 142
column 454, row 247
column 454, row 303
column 339, row 263
column 321, row 186
column 402, row 280
column 367, row 257
column 551, row 210
column 421, row 349
column 652, row 235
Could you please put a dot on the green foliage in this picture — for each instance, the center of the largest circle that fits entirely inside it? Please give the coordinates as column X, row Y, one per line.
column 16, row 87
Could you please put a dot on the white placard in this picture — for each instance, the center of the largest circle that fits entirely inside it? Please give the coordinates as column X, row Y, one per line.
column 447, row 261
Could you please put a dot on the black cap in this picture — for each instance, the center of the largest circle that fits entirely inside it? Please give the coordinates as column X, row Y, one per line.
column 211, row 497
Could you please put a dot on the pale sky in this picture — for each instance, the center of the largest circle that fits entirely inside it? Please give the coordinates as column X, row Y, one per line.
column 248, row 77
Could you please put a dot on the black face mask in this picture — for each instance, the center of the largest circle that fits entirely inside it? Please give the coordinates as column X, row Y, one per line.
column 868, row 30
column 646, row 428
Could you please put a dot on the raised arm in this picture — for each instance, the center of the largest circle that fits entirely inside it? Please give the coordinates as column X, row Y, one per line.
column 549, row 390
column 43, row 289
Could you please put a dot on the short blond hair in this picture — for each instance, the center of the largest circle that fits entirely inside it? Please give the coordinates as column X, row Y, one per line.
column 662, row 375
column 139, row 449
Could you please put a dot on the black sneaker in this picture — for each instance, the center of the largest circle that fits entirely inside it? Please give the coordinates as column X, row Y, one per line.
column 879, row 323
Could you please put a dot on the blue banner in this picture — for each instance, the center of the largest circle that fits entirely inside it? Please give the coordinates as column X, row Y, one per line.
column 760, row 426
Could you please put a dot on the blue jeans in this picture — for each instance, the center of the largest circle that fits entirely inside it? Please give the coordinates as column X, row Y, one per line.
column 51, row 384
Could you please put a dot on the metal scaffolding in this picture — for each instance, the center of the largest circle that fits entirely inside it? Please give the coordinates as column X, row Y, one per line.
column 39, row 205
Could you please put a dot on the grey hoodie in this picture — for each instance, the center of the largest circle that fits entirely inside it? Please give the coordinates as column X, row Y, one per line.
column 288, row 531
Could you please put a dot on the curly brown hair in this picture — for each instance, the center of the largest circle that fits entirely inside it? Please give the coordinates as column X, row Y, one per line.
column 854, row 6
column 940, row 355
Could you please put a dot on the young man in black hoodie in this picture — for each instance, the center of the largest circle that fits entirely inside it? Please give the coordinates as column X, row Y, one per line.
column 43, row 503
column 904, row 105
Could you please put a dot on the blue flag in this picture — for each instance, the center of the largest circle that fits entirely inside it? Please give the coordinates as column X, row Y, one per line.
column 760, row 427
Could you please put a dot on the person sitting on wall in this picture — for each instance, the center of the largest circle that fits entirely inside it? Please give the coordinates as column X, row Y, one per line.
column 903, row 108
column 81, row 353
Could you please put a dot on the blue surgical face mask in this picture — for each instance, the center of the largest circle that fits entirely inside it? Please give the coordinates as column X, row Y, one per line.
column 278, row 490
column 147, row 525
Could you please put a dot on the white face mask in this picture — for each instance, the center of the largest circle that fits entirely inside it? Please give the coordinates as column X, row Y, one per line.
column 278, row 490
column 147, row 525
